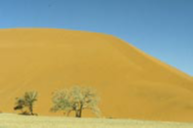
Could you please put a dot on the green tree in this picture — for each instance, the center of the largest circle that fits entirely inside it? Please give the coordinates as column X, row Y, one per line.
column 76, row 99
column 26, row 101
column 19, row 104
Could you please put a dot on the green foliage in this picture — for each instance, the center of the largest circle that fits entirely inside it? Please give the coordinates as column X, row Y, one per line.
column 76, row 99
column 26, row 102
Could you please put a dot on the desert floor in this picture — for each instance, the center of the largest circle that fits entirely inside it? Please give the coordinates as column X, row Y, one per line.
column 17, row 121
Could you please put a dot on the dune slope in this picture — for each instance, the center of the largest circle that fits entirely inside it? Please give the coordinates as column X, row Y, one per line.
column 131, row 84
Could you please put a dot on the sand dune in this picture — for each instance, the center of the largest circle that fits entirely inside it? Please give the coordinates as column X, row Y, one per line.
column 131, row 84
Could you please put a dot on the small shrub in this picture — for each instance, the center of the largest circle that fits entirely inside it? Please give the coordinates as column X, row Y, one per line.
column 25, row 103
column 75, row 99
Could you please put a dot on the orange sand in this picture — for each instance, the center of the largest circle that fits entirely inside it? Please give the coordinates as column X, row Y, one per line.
column 131, row 84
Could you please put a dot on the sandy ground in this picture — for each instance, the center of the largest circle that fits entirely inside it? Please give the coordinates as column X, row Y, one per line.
column 130, row 83
column 16, row 121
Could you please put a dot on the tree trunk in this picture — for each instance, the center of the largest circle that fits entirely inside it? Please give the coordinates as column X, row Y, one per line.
column 78, row 113
column 31, row 110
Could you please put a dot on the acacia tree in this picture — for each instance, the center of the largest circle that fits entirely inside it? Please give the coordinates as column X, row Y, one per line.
column 75, row 99
column 26, row 101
